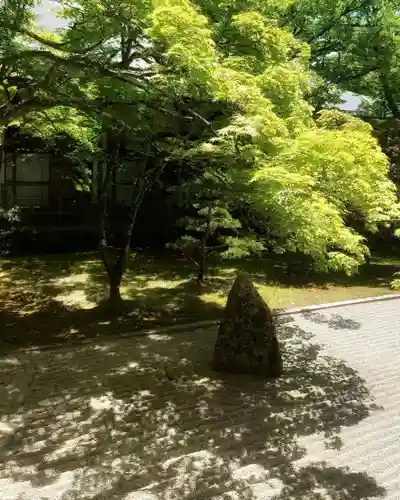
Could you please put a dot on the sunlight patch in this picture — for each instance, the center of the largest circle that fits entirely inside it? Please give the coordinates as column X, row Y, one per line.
column 228, row 270
column 72, row 279
column 208, row 383
column 6, row 428
column 212, row 298
column 254, row 472
column 160, row 337
column 102, row 348
column 99, row 404
column 132, row 366
column 295, row 394
column 158, row 284
column 24, row 490
column 10, row 361
column 75, row 298
column 267, row 491
column 72, row 446
column 140, row 495
column 197, row 460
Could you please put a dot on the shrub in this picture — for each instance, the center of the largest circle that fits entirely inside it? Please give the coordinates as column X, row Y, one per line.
column 10, row 222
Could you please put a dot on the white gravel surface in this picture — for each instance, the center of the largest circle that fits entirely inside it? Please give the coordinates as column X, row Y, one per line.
column 104, row 421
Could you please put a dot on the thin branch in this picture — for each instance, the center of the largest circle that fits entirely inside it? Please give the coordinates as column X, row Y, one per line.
column 98, row 106
column 82, row 62
column 45, row 114
column 201, row 118
column 62, row 46
column 10, row 112
column 355, row 76
column 349, row 10
column 44, row 41
column 189, row 257
column 333, row 47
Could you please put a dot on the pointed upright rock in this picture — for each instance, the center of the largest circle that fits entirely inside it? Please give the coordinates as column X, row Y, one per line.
column 247, row 340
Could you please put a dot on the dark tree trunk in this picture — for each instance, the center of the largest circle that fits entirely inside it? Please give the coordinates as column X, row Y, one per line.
column 116, row 228
column 200, row 275
column 203, row 247
column 115, row 243
column 202, row 259
column 389, row 96
column 114, row 260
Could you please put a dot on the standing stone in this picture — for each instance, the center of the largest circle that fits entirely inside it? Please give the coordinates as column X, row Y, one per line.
column 247, row 340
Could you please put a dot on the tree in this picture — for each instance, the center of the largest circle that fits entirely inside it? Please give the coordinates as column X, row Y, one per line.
column 9, row 223
column 209, row 224
column 83, row 83
column 295, row 172
column 141, row 75
column 354, row 44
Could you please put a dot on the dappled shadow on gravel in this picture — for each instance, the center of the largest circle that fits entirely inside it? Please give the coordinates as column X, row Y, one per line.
column 52, row 322
column 334, row 321
column 105, row 420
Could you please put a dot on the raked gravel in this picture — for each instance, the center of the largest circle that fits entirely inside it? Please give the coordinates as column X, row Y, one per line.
column 145, row 418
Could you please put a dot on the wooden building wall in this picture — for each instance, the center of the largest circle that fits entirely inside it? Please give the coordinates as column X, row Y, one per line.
column 39, row 183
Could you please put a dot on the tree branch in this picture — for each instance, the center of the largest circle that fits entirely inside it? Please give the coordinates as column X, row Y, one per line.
column 62, row 46
column 389, row 98
column 9, row 112
column 355, row 76
column 324, row 49
column 125, row 76
column 349, row 10
column 104, row 107
column 48, row 118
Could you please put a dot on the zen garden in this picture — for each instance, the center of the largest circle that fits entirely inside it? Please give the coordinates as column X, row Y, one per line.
column 195, row 171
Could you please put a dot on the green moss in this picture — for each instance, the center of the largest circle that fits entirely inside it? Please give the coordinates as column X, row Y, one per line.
column 56, row 298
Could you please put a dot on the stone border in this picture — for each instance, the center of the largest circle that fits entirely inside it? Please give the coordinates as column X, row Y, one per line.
column 139, row 333
column 200, row 324
column 330, row 305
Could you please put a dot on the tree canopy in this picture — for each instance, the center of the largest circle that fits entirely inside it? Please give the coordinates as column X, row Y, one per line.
column 354, row 46
column 234, row 92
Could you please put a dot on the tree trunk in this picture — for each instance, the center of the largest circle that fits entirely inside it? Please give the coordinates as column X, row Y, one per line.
column 114, row 260
column 116, row 228
column 203, row 247
column 112, row 249
column 202, row 258
column 114, row 253
column 200, row 275
column 389, row 96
